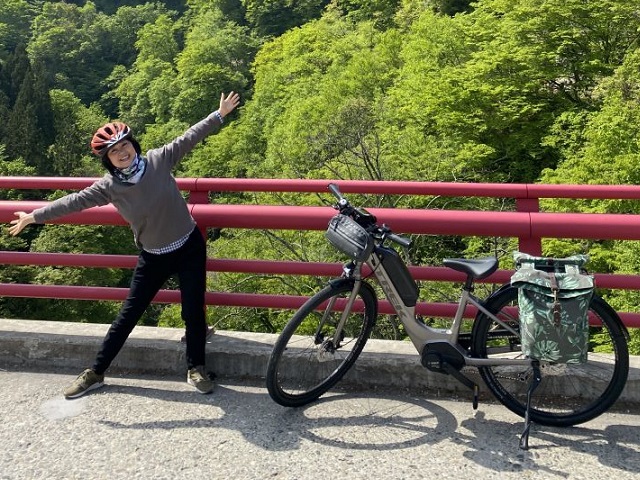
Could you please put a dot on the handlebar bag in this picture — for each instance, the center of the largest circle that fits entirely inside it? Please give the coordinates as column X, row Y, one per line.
column 349, row 237
column 553, row 298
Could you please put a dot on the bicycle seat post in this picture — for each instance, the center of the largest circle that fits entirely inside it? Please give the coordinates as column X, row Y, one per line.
column 468, row 284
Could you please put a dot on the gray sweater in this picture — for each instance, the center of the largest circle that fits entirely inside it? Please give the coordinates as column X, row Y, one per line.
column 153, row 207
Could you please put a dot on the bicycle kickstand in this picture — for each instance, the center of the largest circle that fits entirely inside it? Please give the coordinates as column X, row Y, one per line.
column 535, row 381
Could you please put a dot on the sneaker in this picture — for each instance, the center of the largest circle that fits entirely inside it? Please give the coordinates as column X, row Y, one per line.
column 199, row 378
column 207, row 336
column 86, row 381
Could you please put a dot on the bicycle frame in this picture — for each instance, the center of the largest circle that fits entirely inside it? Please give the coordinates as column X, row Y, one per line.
column 419, row 333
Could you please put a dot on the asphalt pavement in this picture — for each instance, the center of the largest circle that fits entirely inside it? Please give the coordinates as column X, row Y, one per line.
column 158, row 427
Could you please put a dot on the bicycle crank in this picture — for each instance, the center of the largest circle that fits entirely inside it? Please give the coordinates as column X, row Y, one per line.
column 444, row 357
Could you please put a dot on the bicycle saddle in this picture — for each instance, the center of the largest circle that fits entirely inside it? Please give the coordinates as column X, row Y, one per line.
column 476, row 267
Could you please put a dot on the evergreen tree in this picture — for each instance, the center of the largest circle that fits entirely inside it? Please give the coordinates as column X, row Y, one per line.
column 4, row 106
column 15, row 70
column 29, row 129
column 42, row 101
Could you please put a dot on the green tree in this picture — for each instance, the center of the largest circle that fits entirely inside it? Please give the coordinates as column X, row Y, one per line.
column 271, row 18
column 14, row 307
column 232, row 10
column 74, row 125
column 313, row 113
column 318, row 95
column 15, row 20
column 13, row 168
column 4, row 111
column 13, row 73
column 64, row 39
column 484, row 99
column 29, row 126
column 601, row 147
column 113, row 6
column 452, row 7
column 217, row 57
column 380, row 12
column 145, row 93
column 80, row 46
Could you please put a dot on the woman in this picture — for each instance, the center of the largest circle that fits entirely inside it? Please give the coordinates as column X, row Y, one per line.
column 145, row 193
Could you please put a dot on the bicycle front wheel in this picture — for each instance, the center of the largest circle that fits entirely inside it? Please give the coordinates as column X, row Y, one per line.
column 313, row 353
column 568, row 394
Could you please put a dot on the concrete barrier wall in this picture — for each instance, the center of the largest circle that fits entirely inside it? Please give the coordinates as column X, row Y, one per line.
column 32, row 344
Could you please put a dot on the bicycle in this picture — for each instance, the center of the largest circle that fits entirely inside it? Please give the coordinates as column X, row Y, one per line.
column 326, row 335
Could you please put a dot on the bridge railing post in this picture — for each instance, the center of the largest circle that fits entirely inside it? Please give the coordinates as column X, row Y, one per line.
column 531, row 245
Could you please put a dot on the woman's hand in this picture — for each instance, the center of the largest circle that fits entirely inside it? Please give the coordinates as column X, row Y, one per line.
column 22, row 221
column 228, row 103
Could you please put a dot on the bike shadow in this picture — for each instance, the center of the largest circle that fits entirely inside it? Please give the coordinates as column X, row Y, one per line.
column 614, row 446
column 365, row 421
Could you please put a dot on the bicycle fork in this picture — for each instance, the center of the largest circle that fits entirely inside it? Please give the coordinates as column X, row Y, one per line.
column 329, row 346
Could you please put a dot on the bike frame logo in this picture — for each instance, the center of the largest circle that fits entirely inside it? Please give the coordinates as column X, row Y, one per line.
column 390, row 290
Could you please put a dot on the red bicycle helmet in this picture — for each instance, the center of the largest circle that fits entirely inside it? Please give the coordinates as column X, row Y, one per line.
column 108, row 135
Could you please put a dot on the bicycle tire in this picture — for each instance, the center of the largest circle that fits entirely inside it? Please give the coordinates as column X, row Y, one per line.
column 564, row 397
column 303, row 366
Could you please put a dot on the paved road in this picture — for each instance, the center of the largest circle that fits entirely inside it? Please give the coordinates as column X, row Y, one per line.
column 158, row 428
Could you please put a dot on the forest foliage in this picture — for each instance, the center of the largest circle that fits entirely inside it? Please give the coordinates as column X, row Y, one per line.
column 428, row 90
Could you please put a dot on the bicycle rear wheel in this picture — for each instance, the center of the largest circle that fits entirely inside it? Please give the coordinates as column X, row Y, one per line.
column 568, row 394
column 306, row 360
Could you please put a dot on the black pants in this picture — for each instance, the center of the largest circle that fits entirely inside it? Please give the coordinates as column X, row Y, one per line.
column 150, row 274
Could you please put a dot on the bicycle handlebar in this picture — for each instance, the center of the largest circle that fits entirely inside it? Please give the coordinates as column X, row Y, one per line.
column 346, row 208
column 333, row 188
column 402, row 241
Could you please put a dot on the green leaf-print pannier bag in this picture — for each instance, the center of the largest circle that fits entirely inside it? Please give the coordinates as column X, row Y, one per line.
column 553, row 299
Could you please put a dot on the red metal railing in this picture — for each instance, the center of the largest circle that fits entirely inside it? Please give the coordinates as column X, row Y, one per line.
column 527, row 223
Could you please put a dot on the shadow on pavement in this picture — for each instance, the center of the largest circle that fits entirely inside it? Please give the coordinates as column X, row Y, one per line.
column 615, row 446
column 390, row 422
column 342, row 420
